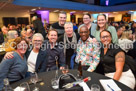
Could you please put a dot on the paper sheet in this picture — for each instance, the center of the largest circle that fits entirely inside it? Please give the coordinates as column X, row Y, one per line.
column 19, row 89
column 109, row 85
column 84, row 86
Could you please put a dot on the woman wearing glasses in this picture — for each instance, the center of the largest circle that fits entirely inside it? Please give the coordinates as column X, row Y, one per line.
column 113, row 61
column 36, row 56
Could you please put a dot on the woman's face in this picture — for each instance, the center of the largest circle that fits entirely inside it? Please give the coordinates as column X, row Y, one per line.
column 52, row 36
column 101, row 21
column 86, row 19
column 16, row 35
column 105, row 38
column 37, row 42
column 68, row 29
column 22, row 47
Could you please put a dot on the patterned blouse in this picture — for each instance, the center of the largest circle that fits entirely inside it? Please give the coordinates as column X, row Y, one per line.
column 88, row 53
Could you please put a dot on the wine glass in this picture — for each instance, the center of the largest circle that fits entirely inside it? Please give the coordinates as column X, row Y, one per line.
column 65, row 69
column 54, row 83
column 95, row 87
column 24, row 86
column 34, row 79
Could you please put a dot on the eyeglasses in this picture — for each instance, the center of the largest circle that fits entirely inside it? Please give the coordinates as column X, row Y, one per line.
column 107, row 37
column 37, row 40
column 83, row 32
column 85, row 18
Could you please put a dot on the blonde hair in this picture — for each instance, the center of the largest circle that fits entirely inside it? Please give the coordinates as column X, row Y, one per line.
column 106, row 26
column 125, row 34
column 68, row 23
column 38, row 35
column 11, row 34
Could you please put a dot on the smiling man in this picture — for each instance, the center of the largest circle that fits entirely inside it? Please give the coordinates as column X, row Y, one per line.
column 59, row 26
column 87, row 50
column 54, row 51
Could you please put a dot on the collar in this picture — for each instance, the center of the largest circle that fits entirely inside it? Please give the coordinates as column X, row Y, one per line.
column 88, row 40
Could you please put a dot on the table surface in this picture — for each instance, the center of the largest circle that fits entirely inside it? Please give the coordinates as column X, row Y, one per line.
column 47, row 76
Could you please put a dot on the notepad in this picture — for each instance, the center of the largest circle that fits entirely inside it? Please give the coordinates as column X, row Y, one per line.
column 109, row 85
column 84, row 86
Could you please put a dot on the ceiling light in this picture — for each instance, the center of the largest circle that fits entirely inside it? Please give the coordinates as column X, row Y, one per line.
column 131, row 11
column 115, row 12
column 85, row 12
column 56, row 11
column 73, row 12
column 33, row 9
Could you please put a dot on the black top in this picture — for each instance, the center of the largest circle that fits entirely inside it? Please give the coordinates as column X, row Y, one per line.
column 108, row 60
column 59, row 28
column 38, row 26
column 1, row 38
column 57, row 51
column 70, row 48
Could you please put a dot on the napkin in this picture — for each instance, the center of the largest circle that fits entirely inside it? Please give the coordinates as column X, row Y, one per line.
column 84, row 86
column 109, row 85
column 19, row 89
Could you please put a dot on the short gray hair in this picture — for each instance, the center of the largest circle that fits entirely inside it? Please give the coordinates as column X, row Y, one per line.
column 38, row 35
column 11, row 34
column 68, row 23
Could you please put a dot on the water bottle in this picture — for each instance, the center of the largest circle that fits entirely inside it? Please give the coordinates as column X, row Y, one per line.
column 7, row 86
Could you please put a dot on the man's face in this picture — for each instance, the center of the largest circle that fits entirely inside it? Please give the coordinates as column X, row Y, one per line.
column 52, row 36
column 62, row 19
column 84, row 33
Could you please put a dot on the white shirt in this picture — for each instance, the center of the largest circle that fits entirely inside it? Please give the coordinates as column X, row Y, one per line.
column 31, row 61
column 125, row 44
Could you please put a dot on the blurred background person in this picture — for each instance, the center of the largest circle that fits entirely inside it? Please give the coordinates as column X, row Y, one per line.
column 38, row 26
column 12, row 34
column 125, row 42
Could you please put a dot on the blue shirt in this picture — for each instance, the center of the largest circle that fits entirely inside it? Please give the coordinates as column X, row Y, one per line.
column 14, row 69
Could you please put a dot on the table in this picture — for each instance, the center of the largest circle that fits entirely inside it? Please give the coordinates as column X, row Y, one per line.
column 47, row 76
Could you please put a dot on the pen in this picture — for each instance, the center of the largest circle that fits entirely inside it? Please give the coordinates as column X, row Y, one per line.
column 110, row 87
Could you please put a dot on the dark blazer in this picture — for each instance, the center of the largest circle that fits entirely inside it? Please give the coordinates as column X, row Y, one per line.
column 1, row 38
column 41, row 60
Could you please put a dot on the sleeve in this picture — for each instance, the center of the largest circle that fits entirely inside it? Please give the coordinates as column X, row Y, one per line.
column 114, row 34
column 35, row 25
column 96, row 57
column 1, row 38
column 61, row 58
column 44, row 63
column 4, row 69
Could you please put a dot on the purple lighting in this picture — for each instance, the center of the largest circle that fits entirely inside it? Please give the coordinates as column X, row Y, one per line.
column 107, row 2
column 44, row 15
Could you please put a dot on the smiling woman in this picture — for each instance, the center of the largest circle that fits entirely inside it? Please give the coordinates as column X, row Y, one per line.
column 113, row 61
column 102, row 25
column 14, row 69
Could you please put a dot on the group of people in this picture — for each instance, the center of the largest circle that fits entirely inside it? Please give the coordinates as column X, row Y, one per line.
column 94, row 45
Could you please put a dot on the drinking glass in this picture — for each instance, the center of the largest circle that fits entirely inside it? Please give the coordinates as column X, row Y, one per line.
column 95, row 87
column 24, row 86
column 34, row 79
column 54, row 83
